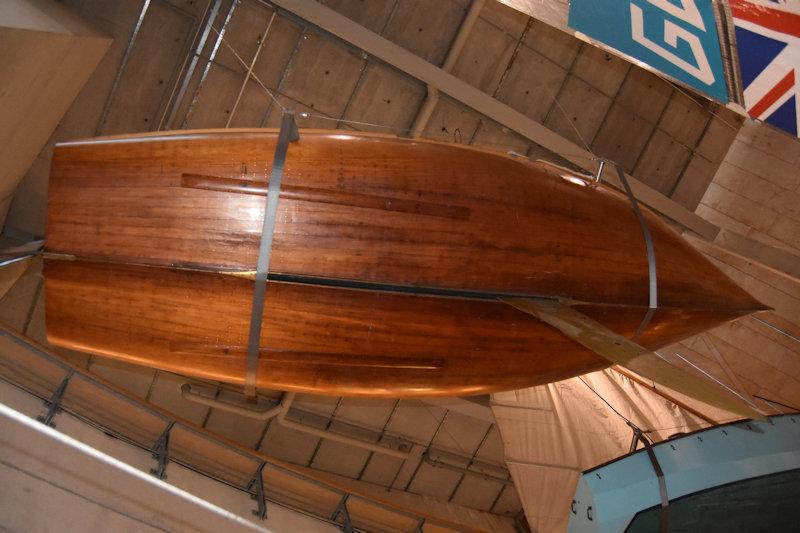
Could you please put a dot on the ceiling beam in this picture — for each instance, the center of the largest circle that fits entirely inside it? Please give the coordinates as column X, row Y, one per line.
column 373, row 44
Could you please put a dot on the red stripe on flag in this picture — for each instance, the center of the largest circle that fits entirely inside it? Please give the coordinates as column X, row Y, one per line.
column 773, row 19
column 772, row 96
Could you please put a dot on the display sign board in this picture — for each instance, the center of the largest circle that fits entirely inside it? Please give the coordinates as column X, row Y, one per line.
column 768, row 45
column 676, row 37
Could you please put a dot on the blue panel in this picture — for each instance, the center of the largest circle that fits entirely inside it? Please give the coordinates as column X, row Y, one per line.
column 661, row 38
column 756, row 51
column 785, row 117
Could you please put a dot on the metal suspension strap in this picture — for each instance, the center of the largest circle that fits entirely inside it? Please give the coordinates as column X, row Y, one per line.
column 288, row 133
column 648, row 241
column 662, row 484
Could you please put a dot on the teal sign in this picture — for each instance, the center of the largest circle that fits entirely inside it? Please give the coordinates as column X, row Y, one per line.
column 676, row 37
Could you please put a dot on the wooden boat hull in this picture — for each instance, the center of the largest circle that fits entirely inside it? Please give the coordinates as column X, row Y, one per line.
column 389, row 254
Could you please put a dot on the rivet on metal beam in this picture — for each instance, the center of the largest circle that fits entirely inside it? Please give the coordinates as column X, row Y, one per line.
column 161, row 452
column 53, row 405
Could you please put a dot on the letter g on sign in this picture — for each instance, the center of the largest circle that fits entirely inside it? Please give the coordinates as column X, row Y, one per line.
column 689, row 13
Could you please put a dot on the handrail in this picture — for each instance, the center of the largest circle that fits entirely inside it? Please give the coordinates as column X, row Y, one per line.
column 254, row 455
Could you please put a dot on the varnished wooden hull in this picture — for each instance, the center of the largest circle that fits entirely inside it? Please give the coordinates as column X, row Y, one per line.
column 447, row 229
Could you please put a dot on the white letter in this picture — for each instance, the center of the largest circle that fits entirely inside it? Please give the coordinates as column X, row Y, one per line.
column 671, row 34
column 688, row 11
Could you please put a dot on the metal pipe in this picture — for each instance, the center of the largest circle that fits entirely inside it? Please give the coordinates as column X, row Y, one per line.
column 461, row 470
column 425, row 112
column 258, row 414
column 288, row 398
column 280, row 412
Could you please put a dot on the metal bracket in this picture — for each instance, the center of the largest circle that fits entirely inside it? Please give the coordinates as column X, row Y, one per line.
column 257, row 482
column 638, row 436
column 161, row 453
column 53, row 405
column 648, row 242
column 288, row 133
column 662, row 484
column 341, row 509
column 29, row 246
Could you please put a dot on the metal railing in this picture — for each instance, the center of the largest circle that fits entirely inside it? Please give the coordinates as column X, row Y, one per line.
column 56, row 400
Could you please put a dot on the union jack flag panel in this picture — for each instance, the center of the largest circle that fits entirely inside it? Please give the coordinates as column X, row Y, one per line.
column 768, row 43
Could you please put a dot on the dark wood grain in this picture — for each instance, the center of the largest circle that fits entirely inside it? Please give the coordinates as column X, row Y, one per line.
column 320, row 339
column 520, row 228
column 139, row 211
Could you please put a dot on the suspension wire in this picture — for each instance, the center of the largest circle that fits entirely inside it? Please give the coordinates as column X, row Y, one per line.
column 557, row 104
column 774, row 327
column 307, row 114
column 245, row 65
column 250, row 70
column 710, row 376
column 793, row 408
column 627, row 420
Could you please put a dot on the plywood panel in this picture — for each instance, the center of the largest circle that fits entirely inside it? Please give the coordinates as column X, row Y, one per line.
column 505, row 18
column 580, row 107
column 386, row 97
column 743, row 209
column 645, row 94
column 381, row 469
column 662, row 162
column 135, row 379
column 243, row 32
column 721, row 131
column 694, row 181
column 289, row 445
column 532, row 84
column 767, row 166
column 425, row 28
column 215, row 98
column 485, row 55
column 477, row 493
column 244, row 430
column 151, row 69
column 556, row 45
column 339, row 458
column 600, row 69
column 496, row 137
column 684, row 119
column 770, row 141
column 436, row 482
column 322, row 74
column 416, row 420
column 47, row 54
column 16, row 305
column 622, row 136
column 452, row 122
column 373, row 14
column 166, row 393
